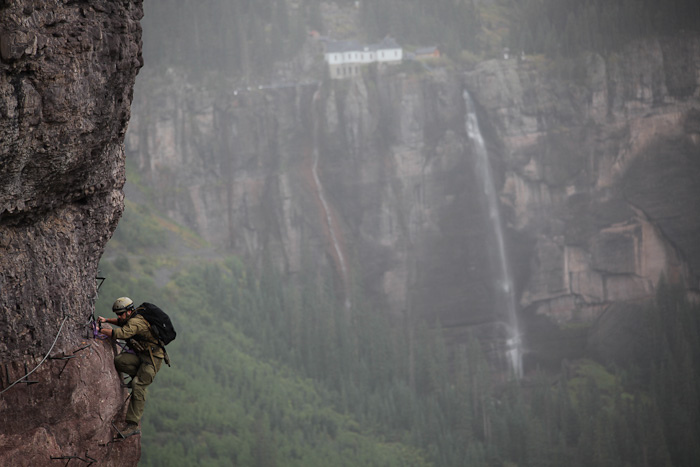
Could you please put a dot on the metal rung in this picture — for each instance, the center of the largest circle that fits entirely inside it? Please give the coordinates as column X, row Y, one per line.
column 82, row 348
column 89, row 460
column 64, row 357
column 28, row 382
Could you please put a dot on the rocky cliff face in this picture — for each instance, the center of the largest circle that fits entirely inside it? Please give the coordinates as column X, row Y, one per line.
column 366, row 179
column 67, row 71
column 599, row 173
column 374, row 179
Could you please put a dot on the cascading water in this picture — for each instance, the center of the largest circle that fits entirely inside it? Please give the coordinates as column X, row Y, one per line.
column 331, row 227
column 505, row 290
column 343, row 270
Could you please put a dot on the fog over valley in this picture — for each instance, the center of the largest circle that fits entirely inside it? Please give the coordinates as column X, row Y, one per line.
column 396, row 233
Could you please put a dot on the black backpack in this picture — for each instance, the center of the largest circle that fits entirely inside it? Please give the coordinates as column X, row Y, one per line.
column 161, row 326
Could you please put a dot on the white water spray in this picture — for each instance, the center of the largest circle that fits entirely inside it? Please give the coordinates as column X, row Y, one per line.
column 514, row 346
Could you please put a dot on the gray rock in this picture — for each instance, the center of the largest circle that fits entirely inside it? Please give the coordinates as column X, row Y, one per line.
column 66, row 75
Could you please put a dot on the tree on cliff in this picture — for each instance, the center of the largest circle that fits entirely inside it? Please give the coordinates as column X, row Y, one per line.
column 288, row 368
column 239, row 38
column 244, row 39
column 567, row 27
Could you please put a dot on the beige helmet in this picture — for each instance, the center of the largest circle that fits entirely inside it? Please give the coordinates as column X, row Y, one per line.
column 123, row 304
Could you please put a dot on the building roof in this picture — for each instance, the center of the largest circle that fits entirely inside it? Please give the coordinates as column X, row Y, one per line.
column 387, row 43
column 426, row 50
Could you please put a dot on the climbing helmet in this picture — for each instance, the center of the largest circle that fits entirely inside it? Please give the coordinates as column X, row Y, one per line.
column 122, row 304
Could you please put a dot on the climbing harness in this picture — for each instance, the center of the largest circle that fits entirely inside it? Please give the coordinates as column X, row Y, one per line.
column 93, row 331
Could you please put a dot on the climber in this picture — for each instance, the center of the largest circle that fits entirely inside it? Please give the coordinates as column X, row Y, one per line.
column 142, row 365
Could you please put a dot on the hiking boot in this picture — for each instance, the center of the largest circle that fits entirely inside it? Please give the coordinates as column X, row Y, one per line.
column 129, row 429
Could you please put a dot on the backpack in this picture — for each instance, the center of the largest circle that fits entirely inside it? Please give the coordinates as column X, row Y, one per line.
column 161, row 326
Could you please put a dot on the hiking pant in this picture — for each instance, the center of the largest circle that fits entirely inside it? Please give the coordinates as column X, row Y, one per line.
column 142, row 372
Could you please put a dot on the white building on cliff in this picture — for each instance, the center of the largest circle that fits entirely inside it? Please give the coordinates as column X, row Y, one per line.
column 345, row 58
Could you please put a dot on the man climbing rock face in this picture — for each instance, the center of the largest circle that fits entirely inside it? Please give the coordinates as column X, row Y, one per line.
column 142, row 365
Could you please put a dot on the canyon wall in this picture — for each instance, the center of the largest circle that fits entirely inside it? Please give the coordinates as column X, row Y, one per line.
column 372, row 180
column 600, row 158
column 67, row 71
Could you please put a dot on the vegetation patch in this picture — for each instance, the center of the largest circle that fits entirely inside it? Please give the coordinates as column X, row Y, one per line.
column 265, row 373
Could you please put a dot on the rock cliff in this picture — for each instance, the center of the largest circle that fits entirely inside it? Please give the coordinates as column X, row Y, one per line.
column 599, row 168
column 67, row 71
column 374, row 179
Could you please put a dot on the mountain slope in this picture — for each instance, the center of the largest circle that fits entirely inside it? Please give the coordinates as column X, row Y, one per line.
column 224, row 400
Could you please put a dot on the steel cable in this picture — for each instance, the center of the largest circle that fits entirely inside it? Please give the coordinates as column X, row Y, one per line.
column 42, row 361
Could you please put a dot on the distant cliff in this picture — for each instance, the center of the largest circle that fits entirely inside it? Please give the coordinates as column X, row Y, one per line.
column 601, row 158
column 67, row 71
column 373, row 179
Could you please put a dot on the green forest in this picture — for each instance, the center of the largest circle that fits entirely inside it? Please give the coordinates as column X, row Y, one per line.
column 568, row 27
column 268, row 374
column 244, row 39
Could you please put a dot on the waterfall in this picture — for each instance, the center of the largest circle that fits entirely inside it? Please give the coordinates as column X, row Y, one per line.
column 331, row 228
column 504, row 279
column 343, row 270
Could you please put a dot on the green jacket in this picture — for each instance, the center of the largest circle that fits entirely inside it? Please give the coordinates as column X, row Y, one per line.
column 137, row 328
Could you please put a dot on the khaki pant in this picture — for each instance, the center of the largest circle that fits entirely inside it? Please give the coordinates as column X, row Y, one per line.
column 142, row 372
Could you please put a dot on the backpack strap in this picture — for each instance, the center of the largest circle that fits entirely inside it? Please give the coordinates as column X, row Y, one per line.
column 150, row 328
column 153, row 360
column 160, row 344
